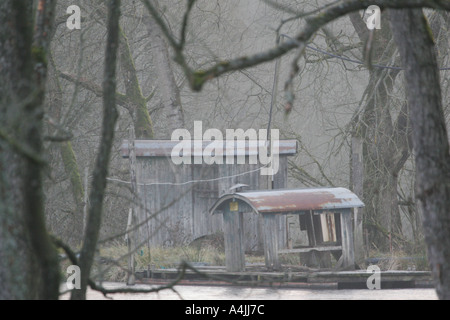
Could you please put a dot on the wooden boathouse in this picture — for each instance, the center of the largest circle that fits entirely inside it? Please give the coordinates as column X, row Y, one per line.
column 175, row 199
column 325, row 213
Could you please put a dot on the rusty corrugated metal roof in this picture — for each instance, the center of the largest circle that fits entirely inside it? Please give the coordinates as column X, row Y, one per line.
column 284, row 200
column 163, row 148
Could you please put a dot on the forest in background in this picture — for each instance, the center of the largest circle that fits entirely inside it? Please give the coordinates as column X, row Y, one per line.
column 348, row 91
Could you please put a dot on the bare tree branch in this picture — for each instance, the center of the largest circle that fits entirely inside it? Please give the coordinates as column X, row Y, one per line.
column 185, row 23
column 110, row 116
column 198, row 78
column 90, row 85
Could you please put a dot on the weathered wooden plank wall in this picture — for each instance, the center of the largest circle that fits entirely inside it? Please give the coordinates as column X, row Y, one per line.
column 178, row 214
column 204, row 195
column 168, row 207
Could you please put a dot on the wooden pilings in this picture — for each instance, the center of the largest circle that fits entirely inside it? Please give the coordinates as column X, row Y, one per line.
column 235, row 249
column 234, row 235
column 348, row 248
column 270, row 230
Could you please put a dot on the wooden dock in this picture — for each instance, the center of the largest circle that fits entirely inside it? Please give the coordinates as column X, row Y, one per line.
column 257, row 277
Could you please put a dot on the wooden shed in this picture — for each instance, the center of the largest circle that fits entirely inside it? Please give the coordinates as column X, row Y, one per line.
column 176, row 198
column 326, row 214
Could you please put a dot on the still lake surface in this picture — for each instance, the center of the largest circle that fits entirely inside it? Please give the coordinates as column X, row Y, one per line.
column 242, row 293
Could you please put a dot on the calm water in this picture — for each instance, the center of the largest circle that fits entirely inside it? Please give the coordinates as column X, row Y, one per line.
column 239, row 293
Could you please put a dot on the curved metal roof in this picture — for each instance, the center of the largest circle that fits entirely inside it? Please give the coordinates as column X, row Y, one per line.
column 285, row 200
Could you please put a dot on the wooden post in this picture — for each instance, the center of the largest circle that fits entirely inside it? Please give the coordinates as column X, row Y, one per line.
column 131, row 281
column 310, row 258
column 133, row 214
column 357, row 188
column 348, row 249
column 234, row 239
column 133, row 177
column 270, row 231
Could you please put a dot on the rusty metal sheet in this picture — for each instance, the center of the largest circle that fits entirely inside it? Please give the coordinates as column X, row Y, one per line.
column 163, row 148
column 284, row 201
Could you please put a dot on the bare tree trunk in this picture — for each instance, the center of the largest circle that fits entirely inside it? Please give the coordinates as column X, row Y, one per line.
column 384, row 146
column 356, row 185
column 70, row 163
column 383, row 160
column 73, row 172
column 16, row 259
column 168, row 87
column 133, row 100
column 110, row 116
column 28, row 260
column 430, row 137
column 137, row 103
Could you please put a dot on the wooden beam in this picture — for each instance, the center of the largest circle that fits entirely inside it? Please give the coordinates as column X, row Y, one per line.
column 133, row 215
column 348, row 250
column 310, row 229
column 234, row 240
column 270, row 231
column 131, row 280
column 302, row 250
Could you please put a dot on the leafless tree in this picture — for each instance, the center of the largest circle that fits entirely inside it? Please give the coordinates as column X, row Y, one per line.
column 29, row 263
column 313, row 22
column 239, row 94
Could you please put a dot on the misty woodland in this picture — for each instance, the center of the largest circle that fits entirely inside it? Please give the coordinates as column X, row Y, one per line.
column 99, row 101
